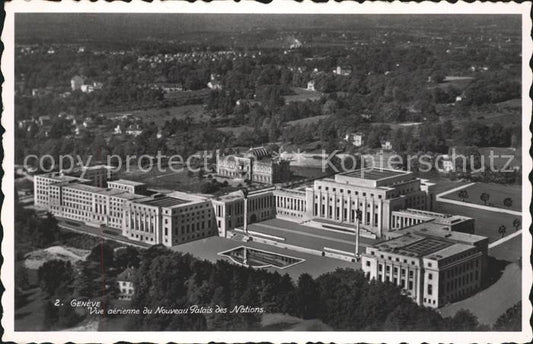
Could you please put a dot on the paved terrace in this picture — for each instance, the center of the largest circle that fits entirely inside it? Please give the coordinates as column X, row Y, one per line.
column 308, row 237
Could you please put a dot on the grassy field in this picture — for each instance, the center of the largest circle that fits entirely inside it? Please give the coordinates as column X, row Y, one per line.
column 509, row 251
column 302, row 95
column 308, row 120
column 307, row 172
column 497, row 192
column 457, row 82
column 236, row 130
column 487, row 222
column 159, row 115
column 511, row 104
column 490, row 303
column 505, row 116
column 501, row 156
column 167, row 180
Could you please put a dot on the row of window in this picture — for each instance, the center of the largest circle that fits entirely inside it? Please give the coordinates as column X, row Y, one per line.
column 349, row 192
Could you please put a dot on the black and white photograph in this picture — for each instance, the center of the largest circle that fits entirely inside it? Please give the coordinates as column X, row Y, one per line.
column 317, row 172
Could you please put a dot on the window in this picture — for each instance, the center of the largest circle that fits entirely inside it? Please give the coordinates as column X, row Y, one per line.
column 367, row 263
column 430, row 289
column 430, row 276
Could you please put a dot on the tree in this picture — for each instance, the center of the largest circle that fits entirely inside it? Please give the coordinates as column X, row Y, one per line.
column 508, row 202
column 103, row 254
column 511, row 320
column 502, row 230
column 306, row 293
column 463, row 195
column 54, row 275
column 464, row 320
column 484, row 197
column 127, row 257
column 516, row 224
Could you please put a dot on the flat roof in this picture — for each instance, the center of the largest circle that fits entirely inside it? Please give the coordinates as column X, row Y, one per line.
column 440, row 230
column 85, row 187
column 374, row 173
column 126, row 182
column 426, row 246
column 164, row 201
column 449, row 251
column 62, row 177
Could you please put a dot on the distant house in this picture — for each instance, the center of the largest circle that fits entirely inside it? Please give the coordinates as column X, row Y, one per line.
column 76, row 82
column 134, row 130
column 214, row 85
column 117, row 130
column 447, row 164
column 311, row 85
column 125, row 284
column 355, row 139
column 91, row 87
column 344, row 71
column 386, row 145
column 87, row 88
column 88, row 122
column 44, row 120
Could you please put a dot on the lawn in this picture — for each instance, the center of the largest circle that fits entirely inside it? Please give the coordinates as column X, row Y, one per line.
column 236, row 130
column 497, row 193
column 510, row 250
column 501, row 157
column 307, row 172
column 492, row 302
column 159, row 115
column 302, row 95
column 308, row 120
column 166, row 179
column 487, row 222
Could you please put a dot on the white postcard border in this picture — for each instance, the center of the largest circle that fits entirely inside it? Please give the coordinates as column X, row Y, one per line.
column 281, row 6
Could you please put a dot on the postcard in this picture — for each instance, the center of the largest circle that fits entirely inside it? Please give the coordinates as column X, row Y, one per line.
column 282, row 172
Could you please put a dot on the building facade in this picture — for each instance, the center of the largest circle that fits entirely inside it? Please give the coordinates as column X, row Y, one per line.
column 257, row 165
column 169, row 219
column 127, row 185
column 126, row 287
column 229, row 209
column 374, row 192
column 433, row 265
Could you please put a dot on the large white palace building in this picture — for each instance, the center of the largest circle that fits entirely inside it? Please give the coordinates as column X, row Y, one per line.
column 388, row 200
column 435, row 257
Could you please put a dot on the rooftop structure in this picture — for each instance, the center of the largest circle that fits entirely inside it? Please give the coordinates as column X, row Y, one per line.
column 163, row 201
